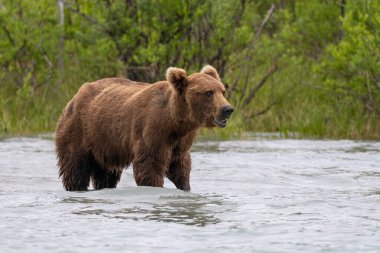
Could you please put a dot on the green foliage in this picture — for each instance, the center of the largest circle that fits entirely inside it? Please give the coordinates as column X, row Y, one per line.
column 351, row 68
column 312, row 69
column 26, row 29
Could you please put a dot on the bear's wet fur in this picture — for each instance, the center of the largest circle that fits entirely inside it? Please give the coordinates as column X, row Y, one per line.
column 115, row 122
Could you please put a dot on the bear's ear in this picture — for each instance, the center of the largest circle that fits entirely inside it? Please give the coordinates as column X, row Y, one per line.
column 177, row 77
column 211, row 71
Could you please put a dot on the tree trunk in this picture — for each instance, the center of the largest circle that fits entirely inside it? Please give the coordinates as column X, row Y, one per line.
column 342, row 15
column 61, row 40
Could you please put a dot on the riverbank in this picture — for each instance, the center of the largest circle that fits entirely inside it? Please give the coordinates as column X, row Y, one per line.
column 31, row 114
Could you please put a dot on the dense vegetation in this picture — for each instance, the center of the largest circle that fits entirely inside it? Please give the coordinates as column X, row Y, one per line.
column 308, row 67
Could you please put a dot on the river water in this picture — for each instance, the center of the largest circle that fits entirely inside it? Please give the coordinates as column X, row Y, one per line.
column 259, row 195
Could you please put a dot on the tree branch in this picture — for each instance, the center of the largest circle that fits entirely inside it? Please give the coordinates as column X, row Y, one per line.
column 251, row 47
column 254, row 90
column 77, row 11
column 266, row 109
column 267, row 17
column 274, row 102
column 9, row 36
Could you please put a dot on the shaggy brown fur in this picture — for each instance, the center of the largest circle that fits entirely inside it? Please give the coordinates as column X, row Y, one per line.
column 114, row 122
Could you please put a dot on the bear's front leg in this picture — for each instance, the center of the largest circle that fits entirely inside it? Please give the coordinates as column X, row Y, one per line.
column 179, row 170
column 149, row 171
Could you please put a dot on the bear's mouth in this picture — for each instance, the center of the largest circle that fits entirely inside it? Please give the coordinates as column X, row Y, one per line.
column 220, row 122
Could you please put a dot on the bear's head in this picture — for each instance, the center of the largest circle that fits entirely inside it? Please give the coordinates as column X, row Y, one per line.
column 204, row 95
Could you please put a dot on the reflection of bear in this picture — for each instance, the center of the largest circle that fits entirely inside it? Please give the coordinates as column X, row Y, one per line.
column 114, row 122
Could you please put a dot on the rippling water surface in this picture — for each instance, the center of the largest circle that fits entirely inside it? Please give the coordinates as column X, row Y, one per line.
column 247, row 196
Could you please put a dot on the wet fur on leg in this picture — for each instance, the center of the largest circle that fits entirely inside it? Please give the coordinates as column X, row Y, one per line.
column 75, row 170
column 179, row 171
column 101, row 178
column 149, row 170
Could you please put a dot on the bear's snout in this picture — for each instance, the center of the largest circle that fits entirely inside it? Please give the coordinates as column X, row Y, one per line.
column 223, row 114
column 227, row 111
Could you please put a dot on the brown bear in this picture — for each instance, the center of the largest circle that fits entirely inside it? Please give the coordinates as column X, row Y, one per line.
column 115, row 122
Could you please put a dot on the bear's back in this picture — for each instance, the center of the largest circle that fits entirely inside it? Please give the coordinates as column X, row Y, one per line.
column 91, row 91
column 112, row 83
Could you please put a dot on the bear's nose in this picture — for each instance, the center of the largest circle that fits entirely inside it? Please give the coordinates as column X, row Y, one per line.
column 227, row 110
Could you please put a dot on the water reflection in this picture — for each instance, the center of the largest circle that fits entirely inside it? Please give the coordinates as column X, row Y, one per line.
column 188, row 210
column 362, row 149
column 84, row 200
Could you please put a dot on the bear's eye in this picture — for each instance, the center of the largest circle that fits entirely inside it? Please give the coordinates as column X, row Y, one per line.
column 209, row 93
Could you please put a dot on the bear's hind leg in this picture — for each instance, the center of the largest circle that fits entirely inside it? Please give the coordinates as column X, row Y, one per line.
column 101, row 178
column 75, row 170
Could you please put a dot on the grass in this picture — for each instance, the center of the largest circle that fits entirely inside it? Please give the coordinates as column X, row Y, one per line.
column 28, row 112
column 305, row 115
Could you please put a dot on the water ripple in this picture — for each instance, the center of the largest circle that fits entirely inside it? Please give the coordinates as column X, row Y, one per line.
column 247, row 196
